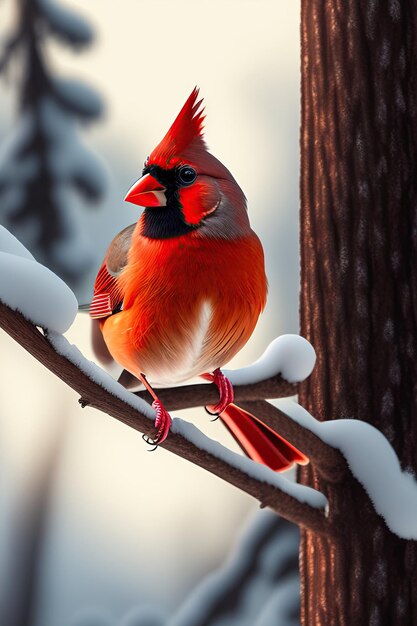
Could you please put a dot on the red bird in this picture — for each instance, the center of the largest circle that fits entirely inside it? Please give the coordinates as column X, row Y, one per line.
column 180, row 291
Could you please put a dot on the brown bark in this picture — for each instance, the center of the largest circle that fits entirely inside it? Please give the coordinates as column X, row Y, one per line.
column 359, row 288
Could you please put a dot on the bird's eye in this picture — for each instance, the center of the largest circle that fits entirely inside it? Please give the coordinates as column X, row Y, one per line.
column 146, row 162
column 186, row 175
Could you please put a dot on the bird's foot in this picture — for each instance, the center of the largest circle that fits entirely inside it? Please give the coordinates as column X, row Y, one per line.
column 163, row 423
column 226, row 393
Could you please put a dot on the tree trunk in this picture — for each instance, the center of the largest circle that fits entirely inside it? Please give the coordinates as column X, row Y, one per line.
column 359, row 288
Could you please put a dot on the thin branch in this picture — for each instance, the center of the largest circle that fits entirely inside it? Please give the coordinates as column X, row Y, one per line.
column 32, row 339
column 330, row 463
column 189, row 396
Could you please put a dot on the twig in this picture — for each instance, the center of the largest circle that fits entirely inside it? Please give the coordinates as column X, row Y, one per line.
column 32, row 339
column 330, row 463
column 189, row 396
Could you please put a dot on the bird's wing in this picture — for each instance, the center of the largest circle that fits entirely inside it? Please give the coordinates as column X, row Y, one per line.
column 108, row 295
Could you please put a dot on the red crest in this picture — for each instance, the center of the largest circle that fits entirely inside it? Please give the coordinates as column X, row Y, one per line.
column 187, row 129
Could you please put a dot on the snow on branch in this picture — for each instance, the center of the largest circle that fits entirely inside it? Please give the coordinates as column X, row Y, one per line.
column 372, row 461
column 69, row 160
column 32, row 289
column 299, row 504
column 9, row 243
column 31, row 296
column 42, row 297
column 65, row 24
column 77, row 97
column 258, row 585
column 288, row 360
column 43, row 160
column 291, row 356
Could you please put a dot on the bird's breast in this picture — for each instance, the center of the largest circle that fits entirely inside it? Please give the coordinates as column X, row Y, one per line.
column 189, row 306
column 180, row 351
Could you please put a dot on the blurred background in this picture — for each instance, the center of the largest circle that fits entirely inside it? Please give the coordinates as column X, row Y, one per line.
column 95, row 530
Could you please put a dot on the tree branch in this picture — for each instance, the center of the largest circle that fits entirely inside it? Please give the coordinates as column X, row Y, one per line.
column 189, row 396
column 330, row 463
column 286, row 505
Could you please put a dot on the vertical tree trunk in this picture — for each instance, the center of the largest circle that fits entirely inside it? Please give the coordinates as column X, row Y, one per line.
column 359, row 287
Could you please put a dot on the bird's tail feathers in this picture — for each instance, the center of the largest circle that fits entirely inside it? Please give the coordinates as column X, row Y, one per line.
column 259, row 441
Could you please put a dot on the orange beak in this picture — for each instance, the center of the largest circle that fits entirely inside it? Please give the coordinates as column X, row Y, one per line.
column 147, row 192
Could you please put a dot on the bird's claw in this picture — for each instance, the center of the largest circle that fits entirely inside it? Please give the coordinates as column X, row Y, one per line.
column 163, row 423
column 226, row 393
column 150, row 442
column 214, row 415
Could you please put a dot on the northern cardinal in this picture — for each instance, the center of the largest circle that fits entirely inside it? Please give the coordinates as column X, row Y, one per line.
column 180, row 291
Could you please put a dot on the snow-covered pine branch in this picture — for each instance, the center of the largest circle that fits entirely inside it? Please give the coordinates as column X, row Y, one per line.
column 257, row 586
column 66, row 25
column 372, row 461
column 43, row 160
column 78, row 98
column 370, row 457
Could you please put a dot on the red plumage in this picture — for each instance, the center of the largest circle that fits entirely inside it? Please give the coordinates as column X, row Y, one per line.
column 259, row 441
column 186, row 129
column 180, row 292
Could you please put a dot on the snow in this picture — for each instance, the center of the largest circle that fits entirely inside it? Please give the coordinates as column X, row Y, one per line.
column 73, row 252
column 279, row 608
column 31, row 288
column 282, row 550
column 263, row 560
column 187, row 430
column 246, row 465
column 210, row 591
column 99, row 376
column 291, row 356
column 35, row 291
column 17, row 170
column 15, row 141
column 16, row 166
column 66, row 24
column 11, row 199
column 144, row 616
column 91, row 616
column 78, row 97
column 44, row 299
column 373, row 462
column 68, row 159
column 9, row 243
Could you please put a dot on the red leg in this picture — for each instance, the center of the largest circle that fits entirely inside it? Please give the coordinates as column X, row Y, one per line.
column 163, row 419
column 226, row 391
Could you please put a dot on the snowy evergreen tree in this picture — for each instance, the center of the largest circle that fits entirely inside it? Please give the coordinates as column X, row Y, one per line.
column 45, row 170
column 258, row 585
